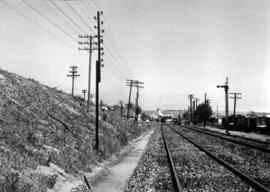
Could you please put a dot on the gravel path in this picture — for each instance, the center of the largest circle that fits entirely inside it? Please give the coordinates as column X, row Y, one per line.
column 152, row 172
column 117, row 175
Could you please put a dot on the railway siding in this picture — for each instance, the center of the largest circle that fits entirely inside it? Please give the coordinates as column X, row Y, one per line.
column 250, row 161
column 259, row 145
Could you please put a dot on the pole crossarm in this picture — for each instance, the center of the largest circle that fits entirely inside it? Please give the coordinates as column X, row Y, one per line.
column 235, row 97
column 73, row 74
column 137, row 84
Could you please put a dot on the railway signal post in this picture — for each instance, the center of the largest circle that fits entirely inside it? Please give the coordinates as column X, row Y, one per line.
column 226, row 89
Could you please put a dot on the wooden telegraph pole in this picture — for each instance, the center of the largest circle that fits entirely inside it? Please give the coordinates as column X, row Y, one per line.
column 129, row 83
column 98, row 72
column 73, row 74
column 196, row 103
column 137, row 84
column 121, row 108
column 84, row 91
column 90, row 49
column 190, row 107
column 234, row 106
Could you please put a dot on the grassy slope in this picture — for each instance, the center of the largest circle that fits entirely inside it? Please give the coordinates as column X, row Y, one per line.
column 39, row 125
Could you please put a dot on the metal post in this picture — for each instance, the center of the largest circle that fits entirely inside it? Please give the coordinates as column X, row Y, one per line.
column 226, row 88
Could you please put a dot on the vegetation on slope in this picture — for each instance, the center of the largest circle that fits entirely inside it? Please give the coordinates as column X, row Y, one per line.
column 41, row 125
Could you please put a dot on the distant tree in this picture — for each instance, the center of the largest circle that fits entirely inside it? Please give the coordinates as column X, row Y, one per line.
column 185, row 115
column 138, row 110
column 131, row 105
column 144, row 116
column 204, row 112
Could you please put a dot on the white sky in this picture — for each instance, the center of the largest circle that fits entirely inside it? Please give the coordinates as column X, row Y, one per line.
column 176, row 47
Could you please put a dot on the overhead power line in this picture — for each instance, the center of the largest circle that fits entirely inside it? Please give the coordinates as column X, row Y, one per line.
column 67, row 16
column 79, row 16
column 37, row 24
column 49, row 20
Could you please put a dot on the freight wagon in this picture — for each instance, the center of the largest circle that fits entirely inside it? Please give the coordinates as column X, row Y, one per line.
column 259, row 124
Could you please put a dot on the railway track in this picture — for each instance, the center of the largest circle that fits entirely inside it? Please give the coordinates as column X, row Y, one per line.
column 250, row 181
column 235, row 136
column 178, row 187
column 258, row 145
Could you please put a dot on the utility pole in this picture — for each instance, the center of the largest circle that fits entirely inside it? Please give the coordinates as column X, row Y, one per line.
column 90, row 49
column 208, row 101
column 73, row 74
column 129, row 83
column 101, row 104
column 205, row 99
column 196, row 103
column 190, row 107
column 121, row 108
column 91, row 97
column 226, row 89
column 137, row 84
column 217, row 113
column 98, row 73
column 234, row 107
column 84, row 91
column 193, row 107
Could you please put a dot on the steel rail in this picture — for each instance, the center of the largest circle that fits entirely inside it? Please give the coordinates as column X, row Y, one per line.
column 176, row 182
column 237, row 172
column 265, row 150
column 236, row 136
